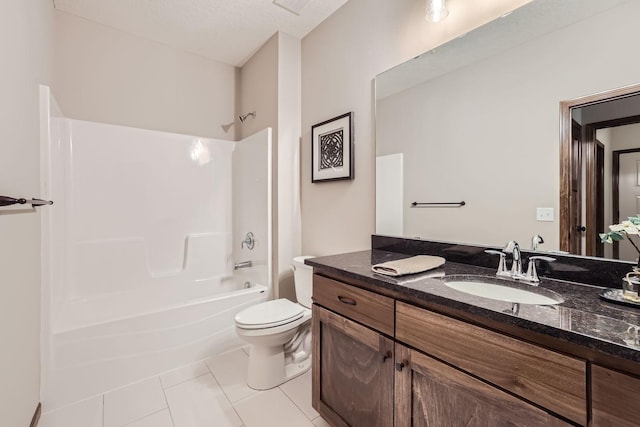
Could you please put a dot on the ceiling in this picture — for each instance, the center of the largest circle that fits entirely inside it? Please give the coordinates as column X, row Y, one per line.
column 228, row 31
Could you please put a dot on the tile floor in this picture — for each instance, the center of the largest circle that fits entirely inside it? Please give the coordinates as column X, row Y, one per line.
column 206, row 394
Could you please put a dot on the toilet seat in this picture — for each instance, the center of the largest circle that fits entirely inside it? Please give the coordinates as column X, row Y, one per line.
column 269, row 314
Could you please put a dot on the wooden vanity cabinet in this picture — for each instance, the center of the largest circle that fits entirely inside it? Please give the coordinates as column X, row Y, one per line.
column 443, row 372
column 352, row 355
column 615, row 398
column 352, row 372
column 431, row 393
column 552, row 380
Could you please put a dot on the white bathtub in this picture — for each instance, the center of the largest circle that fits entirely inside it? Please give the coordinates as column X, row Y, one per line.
column 102, row 343
column 138, row 250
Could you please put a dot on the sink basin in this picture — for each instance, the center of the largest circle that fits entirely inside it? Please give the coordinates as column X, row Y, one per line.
column 502, row 290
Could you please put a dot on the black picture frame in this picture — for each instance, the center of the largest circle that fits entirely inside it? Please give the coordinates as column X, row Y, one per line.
column 332, row 149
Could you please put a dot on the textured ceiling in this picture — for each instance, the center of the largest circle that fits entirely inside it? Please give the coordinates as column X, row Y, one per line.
column 229, row 31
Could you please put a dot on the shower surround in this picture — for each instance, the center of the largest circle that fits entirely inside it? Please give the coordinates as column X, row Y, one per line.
column 139, row 247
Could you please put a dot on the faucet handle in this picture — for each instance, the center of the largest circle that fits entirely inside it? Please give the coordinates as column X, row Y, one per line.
column 249, row 240
column 532, row 272
column 502, row 266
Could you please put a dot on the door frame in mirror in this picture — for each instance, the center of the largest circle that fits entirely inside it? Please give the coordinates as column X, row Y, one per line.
column 590, row 164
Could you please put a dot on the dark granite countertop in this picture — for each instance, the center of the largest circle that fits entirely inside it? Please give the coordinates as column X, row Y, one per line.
column 583, row 319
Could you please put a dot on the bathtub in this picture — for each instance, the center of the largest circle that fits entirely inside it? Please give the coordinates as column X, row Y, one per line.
column 137, row 262
column 103, row 343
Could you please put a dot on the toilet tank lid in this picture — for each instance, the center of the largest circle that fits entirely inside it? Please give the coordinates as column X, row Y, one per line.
column 270, row 312
column 299, row 260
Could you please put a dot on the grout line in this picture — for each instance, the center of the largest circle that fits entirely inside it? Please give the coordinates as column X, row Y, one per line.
column 103, row 410
column 254, row 392
column 173, row 422
column 153, row 413
column 148, row 415
column 294, row 402
column 185, row 381
column 226, row 397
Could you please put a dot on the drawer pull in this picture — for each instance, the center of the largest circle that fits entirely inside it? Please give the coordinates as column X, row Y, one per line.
column 346, row 300
column 386, row 356
column 400, row 366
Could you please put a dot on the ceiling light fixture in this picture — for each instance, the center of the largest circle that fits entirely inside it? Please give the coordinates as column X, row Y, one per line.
column 437, row 10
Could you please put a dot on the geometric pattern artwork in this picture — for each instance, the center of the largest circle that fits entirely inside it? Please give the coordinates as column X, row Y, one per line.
column 332, row 149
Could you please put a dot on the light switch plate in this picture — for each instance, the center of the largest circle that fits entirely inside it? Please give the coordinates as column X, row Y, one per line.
column 544, row 214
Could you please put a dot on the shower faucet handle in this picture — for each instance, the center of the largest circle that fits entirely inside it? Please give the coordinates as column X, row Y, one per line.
column 249, row 240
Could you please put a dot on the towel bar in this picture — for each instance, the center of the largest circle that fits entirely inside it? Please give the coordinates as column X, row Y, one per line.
column 438, row 204
column 8, row 201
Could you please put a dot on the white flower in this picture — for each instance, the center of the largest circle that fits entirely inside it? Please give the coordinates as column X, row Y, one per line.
column 625, row 226
column 616, row 227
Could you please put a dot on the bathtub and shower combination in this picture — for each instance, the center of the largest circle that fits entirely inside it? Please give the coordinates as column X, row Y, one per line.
column 139, row 248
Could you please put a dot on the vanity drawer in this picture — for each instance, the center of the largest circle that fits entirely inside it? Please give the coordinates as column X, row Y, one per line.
column 614, row 398
column 368, row 308
column 542, row 376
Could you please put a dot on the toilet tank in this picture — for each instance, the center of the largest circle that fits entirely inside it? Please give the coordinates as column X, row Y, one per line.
column 303, row 278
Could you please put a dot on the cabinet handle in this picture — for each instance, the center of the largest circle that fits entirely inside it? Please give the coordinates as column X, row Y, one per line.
column 346, row 300
column 401, row 365
column 386, row 356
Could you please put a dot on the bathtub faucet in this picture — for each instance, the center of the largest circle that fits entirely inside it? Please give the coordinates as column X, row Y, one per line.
column 243, row 264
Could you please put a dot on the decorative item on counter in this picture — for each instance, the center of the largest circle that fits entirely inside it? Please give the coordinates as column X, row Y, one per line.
column 632, row 337
column 626, row 229
column 631, row 285
column 618, row 232
column 416, row 264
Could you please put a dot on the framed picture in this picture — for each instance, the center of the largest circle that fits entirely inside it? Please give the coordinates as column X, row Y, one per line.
column 332, row 149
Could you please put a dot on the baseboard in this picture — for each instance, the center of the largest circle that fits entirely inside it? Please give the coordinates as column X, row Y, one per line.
column 36, row 416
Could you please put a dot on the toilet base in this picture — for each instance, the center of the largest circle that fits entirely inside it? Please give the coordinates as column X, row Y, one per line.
column 267, row 368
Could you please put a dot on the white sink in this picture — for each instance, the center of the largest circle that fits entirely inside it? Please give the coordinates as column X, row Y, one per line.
column 502, row 290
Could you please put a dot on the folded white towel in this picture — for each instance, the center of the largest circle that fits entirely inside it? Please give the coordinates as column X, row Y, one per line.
column 411, row 265
column 404, row 280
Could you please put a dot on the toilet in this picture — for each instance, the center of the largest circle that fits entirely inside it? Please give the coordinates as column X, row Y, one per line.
column 279, row 332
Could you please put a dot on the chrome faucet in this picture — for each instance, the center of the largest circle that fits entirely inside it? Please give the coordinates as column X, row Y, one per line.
column 249, row 240
column 516, row 266
column 532, row 271
column 535, row 241
column 243, row 264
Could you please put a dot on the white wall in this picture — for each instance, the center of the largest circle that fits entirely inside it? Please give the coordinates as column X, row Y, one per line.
column 270, row 86
column 26, row 31
column 108, row 76
column 625, row 137
column 252, row 205
column 340, row 59
column 289, row 116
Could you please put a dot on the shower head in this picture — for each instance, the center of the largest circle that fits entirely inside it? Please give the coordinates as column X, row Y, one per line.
column 243, row 117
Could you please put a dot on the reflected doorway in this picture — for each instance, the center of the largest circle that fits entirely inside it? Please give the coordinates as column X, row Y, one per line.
column 597, row 133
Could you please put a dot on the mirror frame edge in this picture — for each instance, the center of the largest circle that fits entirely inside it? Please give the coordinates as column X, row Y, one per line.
column 590, row 158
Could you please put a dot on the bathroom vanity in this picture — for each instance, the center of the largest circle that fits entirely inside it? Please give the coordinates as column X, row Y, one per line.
column 414, row 352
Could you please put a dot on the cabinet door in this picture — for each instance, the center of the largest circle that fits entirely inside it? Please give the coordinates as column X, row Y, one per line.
column 430, row 393
column 615, row 398
column 547, row 378
column 352, row 372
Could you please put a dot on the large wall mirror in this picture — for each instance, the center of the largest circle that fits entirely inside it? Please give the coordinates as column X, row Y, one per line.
column 478, row 120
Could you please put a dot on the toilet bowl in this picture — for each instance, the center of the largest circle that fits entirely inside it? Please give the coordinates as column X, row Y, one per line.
column 279, row 332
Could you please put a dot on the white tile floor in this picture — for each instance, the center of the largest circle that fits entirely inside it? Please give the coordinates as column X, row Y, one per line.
column 205, row 394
